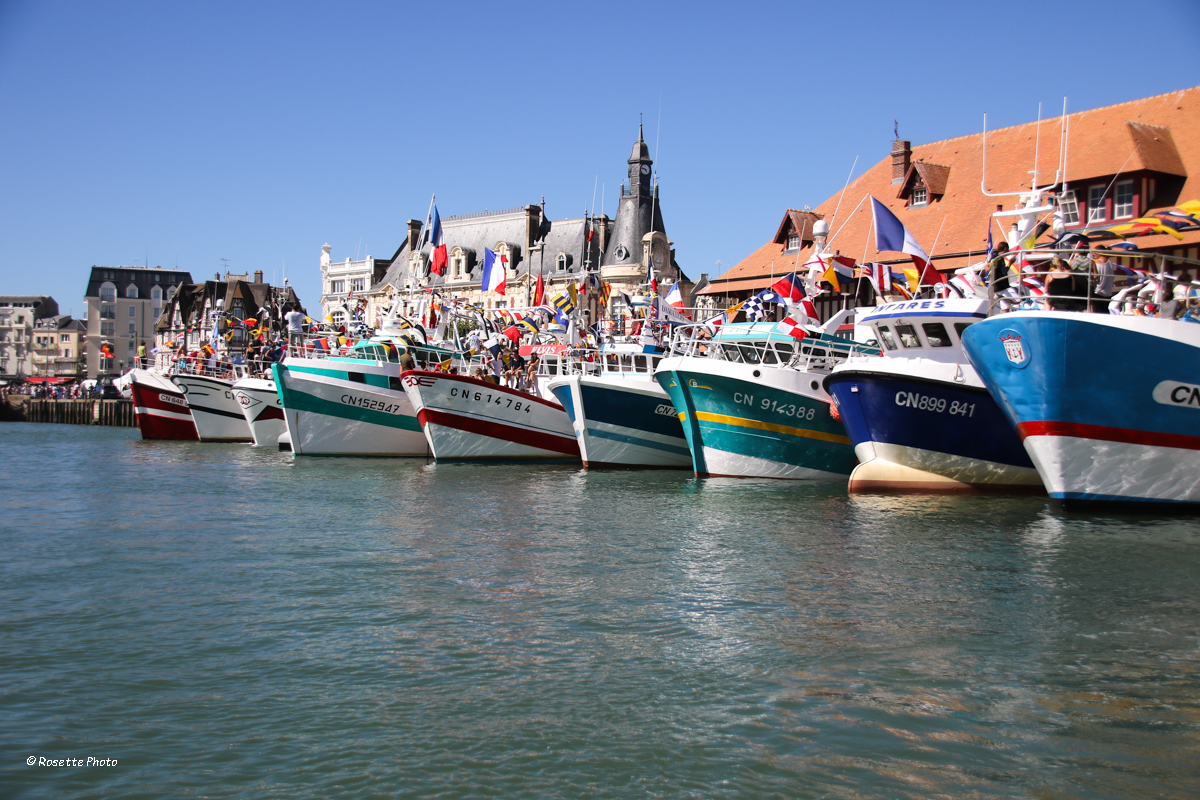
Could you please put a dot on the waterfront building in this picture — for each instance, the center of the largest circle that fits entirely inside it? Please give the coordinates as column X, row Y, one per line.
column 59, row 347
column 201, row 312
column 344, row 283
column 123, row 304
column 18, row 318
column 562, row 251
column 1123, row 161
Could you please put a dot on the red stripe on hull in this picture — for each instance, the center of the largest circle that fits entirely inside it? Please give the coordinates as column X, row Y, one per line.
column 270, row 412
column 154, row 426
column 1104, row 433
column 496, row 430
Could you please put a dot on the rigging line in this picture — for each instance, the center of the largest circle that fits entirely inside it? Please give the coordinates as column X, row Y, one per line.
column 843, row 194
column 847, row 222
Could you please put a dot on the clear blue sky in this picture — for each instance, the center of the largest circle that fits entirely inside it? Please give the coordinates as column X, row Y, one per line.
column 258, row 131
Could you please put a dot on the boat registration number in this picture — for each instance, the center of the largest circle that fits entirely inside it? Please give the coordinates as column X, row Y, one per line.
column 492, row 398
column 371, row 405
column 938, row 405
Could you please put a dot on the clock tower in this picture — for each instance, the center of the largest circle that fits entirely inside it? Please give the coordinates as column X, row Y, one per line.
column 640, row 164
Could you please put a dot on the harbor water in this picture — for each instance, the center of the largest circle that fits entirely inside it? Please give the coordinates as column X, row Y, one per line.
column 225, row 621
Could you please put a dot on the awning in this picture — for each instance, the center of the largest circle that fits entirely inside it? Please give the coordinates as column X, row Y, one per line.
column 43, row 379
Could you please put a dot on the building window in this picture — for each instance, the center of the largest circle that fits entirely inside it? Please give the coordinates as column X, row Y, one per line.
column 1095, row 204
column 131, row 291
column 108, row 293
column 133, row 311
column 108, row 312
column 156, row 292
column 171, row 293
column 337, row 287
column 560, row 262
column 1069, row 207
column 357, row 284
column 66, row 353
column 106, row 364
column 793, row 243
column 64, row 337
column 1123, row 205
column 108, row 328
column 338, row 317
column 920, row 196
column 133, row 329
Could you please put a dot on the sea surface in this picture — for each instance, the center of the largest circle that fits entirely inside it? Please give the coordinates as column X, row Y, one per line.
column 225, row 621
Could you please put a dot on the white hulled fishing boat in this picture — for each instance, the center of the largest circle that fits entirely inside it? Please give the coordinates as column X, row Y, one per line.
column 262, row 408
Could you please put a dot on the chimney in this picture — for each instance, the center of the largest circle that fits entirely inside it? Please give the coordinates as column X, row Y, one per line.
column 258, row 276
column 533, row 225
column 901, row 159
column 414, row 234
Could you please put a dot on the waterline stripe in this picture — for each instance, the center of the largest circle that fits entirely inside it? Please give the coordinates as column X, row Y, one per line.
column 618, row 437
column 742, row 422
column 1080, row 430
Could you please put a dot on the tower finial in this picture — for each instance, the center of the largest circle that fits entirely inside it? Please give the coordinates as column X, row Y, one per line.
column 640, row 139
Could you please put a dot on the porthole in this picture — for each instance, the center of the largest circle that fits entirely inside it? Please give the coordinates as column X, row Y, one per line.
column 757, row 374
column 815, row 385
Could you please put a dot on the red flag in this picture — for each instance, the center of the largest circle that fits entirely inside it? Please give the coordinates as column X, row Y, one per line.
column 794, row 328
column 437, row 264
column 539, row 292
column 514, row 333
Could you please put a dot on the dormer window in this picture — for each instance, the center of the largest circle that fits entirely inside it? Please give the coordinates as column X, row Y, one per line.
column 920, row 196
column 131, row 291
column 562, row 262
column 793, row 243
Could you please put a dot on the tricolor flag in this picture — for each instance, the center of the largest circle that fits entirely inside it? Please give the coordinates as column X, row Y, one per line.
column 891, row 235
column 713, row 324
column 675, row 298
column 493, row 271
column 790, row 287
column 437, row 259
column 650, row 279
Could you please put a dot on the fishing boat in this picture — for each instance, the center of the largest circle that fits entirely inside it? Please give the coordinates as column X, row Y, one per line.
column 208, row 389
column 621, row 416
column 262, row 408
column 751, row 401
column 351, row 404
column 471, row 419
column 160, row 407
column 1107, row 405
column 920, row 418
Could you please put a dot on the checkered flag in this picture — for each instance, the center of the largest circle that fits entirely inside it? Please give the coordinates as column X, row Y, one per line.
column 755, row 310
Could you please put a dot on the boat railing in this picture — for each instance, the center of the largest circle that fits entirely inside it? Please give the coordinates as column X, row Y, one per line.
column 209, row 367
column 815, row 352
column 1072, row 280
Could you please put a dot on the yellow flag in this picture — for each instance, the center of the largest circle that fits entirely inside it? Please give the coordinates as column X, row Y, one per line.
column 572, row 291
column 445, row 365
column 733, row 309
column 914, row 279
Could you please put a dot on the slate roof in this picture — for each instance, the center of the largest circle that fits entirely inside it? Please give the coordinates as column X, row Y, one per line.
column 141, row 277
column 1160, row 133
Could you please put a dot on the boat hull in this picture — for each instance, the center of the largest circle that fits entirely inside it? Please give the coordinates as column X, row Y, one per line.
column 914, row 434
column 623, row 422
column 217, row 414
column 161, row 409
column 775, row 424
column 465, row 419
column 329, row 414
column 1108, row 407
column 262, row 408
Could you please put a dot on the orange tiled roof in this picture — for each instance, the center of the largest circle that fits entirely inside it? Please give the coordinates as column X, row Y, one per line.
column 1160, row 133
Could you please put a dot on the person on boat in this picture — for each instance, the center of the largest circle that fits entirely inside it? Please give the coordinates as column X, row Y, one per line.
column 1102, row 277
column 295, row 326
column 1060, row 285
column 406, row 361
column 998, row 271
column 141, row 354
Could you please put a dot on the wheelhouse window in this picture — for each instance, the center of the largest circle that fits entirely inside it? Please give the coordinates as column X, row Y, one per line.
column 908, row 335
column 959, row 327
column 1123, row 202
column 885, row 336
column 1069, row 207
column 920, row 196
column 1096, row 204
column 935, row 334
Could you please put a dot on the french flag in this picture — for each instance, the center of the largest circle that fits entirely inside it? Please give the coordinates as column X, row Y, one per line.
column 675, row 298
column 437, row 259
column 650, row 279
column 890, row 234
column 493, row 272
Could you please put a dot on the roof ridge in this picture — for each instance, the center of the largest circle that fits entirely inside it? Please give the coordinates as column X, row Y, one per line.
column 1069, row 114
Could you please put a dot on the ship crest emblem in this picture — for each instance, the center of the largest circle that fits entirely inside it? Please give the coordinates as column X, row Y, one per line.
column 1014, row 347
